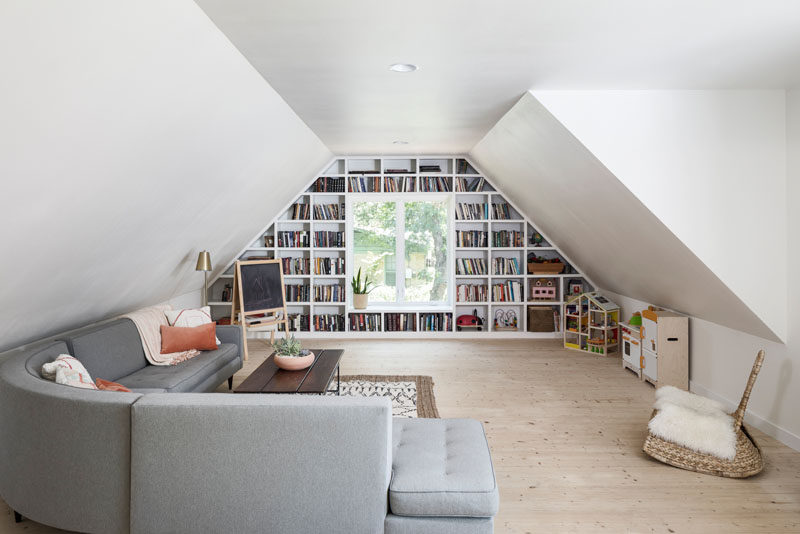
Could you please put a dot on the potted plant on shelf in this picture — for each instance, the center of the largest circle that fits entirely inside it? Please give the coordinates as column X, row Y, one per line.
column 290, row 356
column 361, row 290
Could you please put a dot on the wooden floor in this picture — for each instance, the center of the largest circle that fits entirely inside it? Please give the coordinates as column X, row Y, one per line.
column 566, row 431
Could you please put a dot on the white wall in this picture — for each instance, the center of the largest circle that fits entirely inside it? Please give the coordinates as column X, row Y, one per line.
column 711, row 165
column 721, row 358
column 133, row 136
column 584, row 209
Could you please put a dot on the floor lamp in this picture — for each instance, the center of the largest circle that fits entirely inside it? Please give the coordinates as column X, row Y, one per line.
column 204, row 264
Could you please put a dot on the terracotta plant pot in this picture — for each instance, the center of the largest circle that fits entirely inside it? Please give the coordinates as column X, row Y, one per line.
column 360, row 301
column 288, row 363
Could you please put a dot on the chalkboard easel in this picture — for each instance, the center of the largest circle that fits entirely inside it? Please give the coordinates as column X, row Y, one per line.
column 258, row 289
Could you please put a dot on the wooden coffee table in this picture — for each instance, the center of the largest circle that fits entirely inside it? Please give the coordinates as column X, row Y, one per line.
column 267, row 378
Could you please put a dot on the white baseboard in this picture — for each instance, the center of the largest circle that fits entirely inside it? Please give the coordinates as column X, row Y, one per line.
column 784, row 436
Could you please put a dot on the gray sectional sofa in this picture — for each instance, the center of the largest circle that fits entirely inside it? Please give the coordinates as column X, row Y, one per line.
column 169, row 458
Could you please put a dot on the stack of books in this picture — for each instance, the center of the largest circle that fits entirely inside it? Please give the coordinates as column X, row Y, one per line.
column 472, row 212
column 329, row 293
column 293, row 239
column 430, row 168
column 470, row 266
column 295, row 266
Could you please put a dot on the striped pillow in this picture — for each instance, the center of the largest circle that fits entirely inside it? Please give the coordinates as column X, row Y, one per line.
column 67, row 370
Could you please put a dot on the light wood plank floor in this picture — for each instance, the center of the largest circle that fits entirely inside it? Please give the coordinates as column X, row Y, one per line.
column 566, row 431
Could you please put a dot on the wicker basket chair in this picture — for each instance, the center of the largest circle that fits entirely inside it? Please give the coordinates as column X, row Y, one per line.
column 748, row 461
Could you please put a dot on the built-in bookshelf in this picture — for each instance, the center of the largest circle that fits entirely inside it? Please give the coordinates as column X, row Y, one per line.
column 491, row 238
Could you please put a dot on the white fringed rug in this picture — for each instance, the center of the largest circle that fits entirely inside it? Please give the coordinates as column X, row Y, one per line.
column 412, row 396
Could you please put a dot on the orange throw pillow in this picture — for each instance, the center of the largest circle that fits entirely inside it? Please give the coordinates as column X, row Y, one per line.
column 108, row 385
column 180, row 338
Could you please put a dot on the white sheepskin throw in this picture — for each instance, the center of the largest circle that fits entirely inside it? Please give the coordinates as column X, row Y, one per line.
column 694, row 422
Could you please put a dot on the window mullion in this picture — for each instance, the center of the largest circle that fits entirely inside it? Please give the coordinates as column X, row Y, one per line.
column 400, row 251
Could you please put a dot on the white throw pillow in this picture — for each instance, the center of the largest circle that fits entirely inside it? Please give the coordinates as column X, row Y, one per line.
column 65, row 369
column 190, row 318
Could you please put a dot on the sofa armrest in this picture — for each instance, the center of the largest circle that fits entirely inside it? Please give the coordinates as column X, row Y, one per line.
column 277, row 463
column 231, row 334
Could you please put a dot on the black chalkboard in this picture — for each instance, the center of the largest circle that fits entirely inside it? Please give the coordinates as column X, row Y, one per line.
column 262, row 286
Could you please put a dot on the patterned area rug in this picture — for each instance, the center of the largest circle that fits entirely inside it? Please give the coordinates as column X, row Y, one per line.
column 412, row 396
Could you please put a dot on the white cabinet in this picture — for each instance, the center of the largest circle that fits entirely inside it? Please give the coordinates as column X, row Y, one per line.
column 631, row 348
column 665, row 348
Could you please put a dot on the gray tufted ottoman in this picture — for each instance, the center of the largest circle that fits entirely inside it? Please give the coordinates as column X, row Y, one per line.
column 442, row 478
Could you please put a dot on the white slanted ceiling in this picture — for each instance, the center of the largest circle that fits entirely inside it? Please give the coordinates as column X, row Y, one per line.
column 599, row 223
column 711, row 165
column 134, row 135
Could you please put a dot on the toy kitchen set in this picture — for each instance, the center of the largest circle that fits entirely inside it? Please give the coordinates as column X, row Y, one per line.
column 655, row 346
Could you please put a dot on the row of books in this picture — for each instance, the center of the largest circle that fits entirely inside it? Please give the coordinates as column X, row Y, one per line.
column 397, row 185
column 300, row 211
column 294, row 239
column 298, row 293
column 401, row 322
column 508, row 238
column 510, row 291
column 505, row 266
column 433, row 184
column 365, row 184
column 298, row 322
column 470, row 266
column 329, row 322
column 295, row 266
column 469, row 184
column 329, row 294
column 329, row 212
column 435, row 322
column 328, row 265
column 501, row 210
column 365, row 322
column 472, row 212
column 329, row 239
column 471, row 238
column 471, row 293
column 328, row 185
column 462, row 167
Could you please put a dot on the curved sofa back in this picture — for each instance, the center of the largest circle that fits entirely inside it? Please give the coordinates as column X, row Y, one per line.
column 65, row 451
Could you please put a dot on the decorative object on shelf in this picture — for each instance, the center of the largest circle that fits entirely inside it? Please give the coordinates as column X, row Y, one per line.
column 269, row 241
column 536, row 239
column 543, row 289
column 591, row 324
column 575, row 287
column 361, row 290
column 747, row 457
column 204, row 264
column 541, row 265
column 505, row 320
column 226, row 293
column 290, row 356
column 469, row 322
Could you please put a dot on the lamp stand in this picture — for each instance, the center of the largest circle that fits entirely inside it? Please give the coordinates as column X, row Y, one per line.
column 205, row 288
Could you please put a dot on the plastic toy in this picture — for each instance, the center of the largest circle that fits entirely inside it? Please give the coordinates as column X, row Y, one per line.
column 469, row 321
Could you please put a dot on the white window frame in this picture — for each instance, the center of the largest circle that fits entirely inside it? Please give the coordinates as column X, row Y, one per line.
column 400, row 268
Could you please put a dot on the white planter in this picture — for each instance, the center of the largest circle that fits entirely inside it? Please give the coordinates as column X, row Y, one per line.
column 360, row 301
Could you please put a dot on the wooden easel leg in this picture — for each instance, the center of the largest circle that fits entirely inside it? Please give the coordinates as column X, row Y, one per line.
column 244, row 337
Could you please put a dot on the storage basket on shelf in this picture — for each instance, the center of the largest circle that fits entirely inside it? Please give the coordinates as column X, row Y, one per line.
column 748, row 460
column 544, row 268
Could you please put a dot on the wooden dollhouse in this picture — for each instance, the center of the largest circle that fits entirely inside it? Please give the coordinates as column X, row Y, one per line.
column 591, row 324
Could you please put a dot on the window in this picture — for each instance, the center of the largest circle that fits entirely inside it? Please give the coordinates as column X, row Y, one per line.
column 402, row 245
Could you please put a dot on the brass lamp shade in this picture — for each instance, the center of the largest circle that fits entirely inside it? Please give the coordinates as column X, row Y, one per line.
column 203, row 261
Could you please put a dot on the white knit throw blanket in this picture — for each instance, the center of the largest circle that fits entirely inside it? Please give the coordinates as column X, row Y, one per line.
column 693, row 421
column 148, row 321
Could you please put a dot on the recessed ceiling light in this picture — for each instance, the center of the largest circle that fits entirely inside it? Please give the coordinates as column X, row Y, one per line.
column 399, row 142
column 403, row 67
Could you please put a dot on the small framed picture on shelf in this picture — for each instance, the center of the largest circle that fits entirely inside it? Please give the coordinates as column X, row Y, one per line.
column 269, row 241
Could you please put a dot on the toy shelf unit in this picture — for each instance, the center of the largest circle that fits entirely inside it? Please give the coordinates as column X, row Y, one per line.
column 505, row 277
column 665, row 348
column 591, row 324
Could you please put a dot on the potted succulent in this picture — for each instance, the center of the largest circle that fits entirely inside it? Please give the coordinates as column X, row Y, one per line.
column 361, row 290
column 290, row 356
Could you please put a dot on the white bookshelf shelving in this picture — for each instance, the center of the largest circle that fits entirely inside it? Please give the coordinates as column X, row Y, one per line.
column 404, row 176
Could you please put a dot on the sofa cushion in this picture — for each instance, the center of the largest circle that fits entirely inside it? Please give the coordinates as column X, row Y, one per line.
column 441, row 467
column 109, row 351
column 185, row 376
